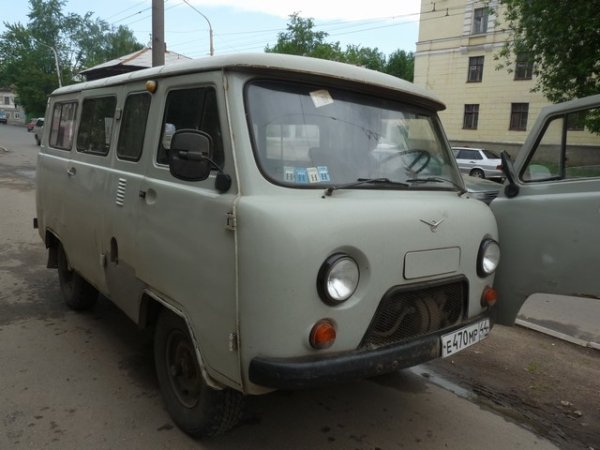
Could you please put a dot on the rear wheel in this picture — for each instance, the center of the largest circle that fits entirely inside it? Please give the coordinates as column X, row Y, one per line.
column 78, row 293
column 477, row 173
column 195, row 407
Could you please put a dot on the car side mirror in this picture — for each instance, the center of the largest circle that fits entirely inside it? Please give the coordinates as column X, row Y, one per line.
column 189, row 155
column 511, row 189
column 189, row 158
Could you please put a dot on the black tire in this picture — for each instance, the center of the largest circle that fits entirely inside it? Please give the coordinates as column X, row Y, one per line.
column 78, row 294
column 477, row 173
column 195, row 407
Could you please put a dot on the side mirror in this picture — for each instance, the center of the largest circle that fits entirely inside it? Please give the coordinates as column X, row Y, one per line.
column 189, row 158
column 511, row 189
column 189, row 155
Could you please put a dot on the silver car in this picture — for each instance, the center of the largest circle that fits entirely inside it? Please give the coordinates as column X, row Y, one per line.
column 38, row 129
column 478, row 162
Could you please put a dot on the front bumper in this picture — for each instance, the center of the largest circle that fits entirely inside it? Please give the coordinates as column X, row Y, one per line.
column 309, row 371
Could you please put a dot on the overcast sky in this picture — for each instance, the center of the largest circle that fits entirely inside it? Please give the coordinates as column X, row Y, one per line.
column 250, row 25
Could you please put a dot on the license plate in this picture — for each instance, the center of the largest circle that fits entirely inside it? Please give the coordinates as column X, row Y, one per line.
column 465, row 337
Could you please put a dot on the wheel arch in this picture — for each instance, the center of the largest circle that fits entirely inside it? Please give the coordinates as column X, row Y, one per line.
column 151, row 307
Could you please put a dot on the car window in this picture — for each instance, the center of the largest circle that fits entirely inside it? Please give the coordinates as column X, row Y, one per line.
column 307, row 136
column 569, row 148
column 490, row 155
column 195, row 109
column 62, row 125
column 95, row 129
column 470, row 154
column 133, row 128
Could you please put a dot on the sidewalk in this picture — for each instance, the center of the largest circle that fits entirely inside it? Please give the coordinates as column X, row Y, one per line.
column 573, row 319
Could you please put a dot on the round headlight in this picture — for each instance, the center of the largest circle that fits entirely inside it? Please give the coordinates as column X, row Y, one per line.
column 337, row 279
column 488, row 257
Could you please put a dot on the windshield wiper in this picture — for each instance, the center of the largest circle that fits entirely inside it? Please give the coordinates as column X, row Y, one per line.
column 437, row 180
column 360, row 181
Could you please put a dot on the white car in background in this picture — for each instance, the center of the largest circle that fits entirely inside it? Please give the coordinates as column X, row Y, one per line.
column 478, row 162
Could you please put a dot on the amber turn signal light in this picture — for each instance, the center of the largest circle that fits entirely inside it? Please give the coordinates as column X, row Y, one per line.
column 489, row 296
column 322, row 334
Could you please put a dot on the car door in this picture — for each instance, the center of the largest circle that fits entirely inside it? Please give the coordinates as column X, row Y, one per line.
column 549, row 213
column 185, row 247
column 121, row 225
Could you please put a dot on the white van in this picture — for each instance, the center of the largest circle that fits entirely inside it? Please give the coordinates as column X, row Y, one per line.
column 282, row 222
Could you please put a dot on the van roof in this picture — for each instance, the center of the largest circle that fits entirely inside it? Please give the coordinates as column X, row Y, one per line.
column 271, row 62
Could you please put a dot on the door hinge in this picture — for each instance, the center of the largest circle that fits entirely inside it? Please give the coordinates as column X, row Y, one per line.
column 231, row 223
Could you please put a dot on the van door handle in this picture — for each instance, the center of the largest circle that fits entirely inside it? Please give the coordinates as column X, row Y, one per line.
column 142, row 194
column 71, row 171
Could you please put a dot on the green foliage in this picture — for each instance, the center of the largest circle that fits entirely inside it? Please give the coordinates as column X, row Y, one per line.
column 561, row 37
column 27, row 61
column 301, row 39
column 401, row 64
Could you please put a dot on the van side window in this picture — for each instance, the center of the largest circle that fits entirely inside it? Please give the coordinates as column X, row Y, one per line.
column 63, row 125
column 95, row 129
column 568, row 149
column 133, row 127
column 191, row 108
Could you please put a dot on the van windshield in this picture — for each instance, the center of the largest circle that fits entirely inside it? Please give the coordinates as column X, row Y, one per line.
column 314, row 136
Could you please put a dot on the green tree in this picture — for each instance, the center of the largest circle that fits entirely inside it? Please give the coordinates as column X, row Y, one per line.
column 301, row 39
column 371, row 58
column 401, row 64
column 27, row 60
column 561, row 39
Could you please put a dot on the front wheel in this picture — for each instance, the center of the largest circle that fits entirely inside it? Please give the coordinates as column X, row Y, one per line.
column 195, row 407
column 78, row 293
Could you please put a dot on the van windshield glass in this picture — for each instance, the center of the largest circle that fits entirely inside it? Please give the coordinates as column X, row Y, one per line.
column 313, row 136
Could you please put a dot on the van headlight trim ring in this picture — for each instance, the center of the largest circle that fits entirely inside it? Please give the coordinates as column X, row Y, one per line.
column 337, row 279
column 488, row 257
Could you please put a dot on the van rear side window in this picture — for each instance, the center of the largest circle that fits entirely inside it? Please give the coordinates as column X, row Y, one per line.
column 63, row 124
column 95, row 129
column 133, row 127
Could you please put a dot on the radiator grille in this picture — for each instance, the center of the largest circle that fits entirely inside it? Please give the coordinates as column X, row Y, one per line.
column 404, row 314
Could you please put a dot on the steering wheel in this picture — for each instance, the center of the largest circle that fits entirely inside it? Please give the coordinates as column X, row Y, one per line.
column 421, row 155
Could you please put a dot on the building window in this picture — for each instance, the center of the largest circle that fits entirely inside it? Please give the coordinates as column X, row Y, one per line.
column 523, row 67
column 471, row 117
column 480, row 21
column 576, row 121
column 475, row 69
column 6, row 100
column 518, row 116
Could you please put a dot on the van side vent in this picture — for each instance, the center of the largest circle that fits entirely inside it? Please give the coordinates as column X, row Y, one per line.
column 121, row 188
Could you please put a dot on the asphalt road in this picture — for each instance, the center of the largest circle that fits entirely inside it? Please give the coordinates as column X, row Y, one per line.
column 72, row 381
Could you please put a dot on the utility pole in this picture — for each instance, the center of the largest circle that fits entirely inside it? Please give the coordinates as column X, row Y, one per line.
column 158, row 33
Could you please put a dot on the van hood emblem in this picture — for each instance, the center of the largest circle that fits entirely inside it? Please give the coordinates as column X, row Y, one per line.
column 433, row 224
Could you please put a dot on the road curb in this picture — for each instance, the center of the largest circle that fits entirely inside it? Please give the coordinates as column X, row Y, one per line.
column 558, row 335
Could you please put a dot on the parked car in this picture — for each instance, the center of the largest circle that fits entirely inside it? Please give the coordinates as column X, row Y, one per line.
column 3, row 117
column 37, row 130
column 482, row 189
column 478, row 162
column 31, row 124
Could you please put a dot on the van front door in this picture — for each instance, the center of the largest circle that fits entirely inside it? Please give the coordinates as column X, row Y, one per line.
column 186, row 249
column 549, row 223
